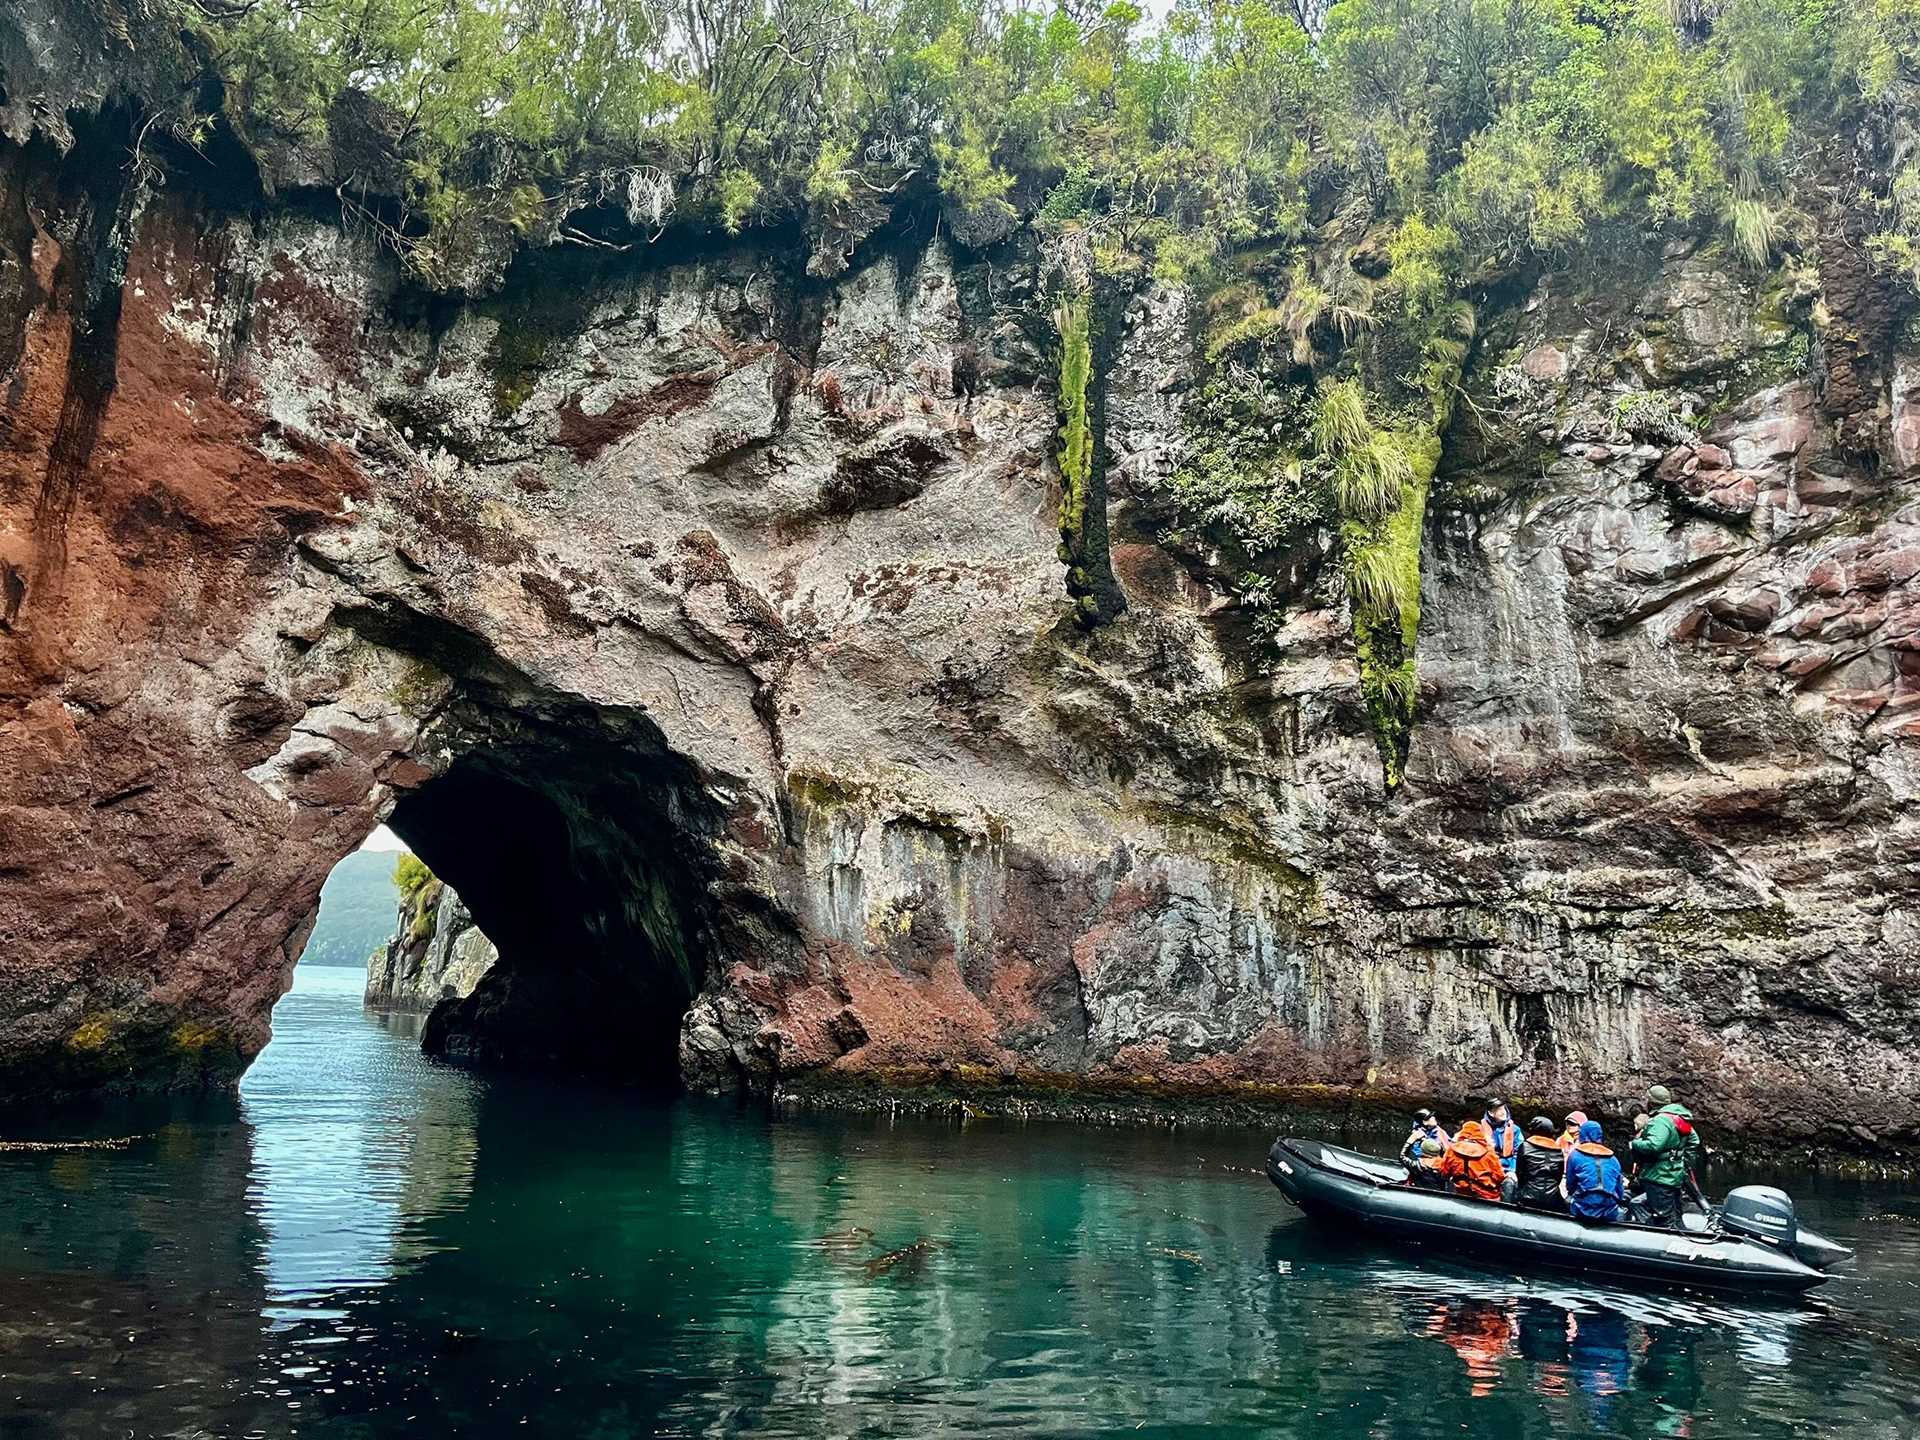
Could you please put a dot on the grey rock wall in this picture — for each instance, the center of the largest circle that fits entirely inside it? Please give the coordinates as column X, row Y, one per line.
column 751, row 614
column 436, row 953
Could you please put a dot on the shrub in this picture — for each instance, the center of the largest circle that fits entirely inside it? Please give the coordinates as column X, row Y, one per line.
column 1240, row 479
column 410, row 874
column 737, row 193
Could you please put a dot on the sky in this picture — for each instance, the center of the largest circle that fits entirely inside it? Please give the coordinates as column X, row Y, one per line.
column 383, row 839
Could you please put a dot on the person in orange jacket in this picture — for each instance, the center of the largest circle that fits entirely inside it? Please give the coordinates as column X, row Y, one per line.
column 1471, row 1164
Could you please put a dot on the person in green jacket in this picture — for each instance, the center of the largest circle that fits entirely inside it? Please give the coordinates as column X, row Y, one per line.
column 1666, row 1149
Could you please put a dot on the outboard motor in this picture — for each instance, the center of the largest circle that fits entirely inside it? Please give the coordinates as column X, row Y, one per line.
column 1761, row 1212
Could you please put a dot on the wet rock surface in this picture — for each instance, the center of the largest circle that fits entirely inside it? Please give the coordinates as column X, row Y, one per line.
column 741, row 586
column 436, row 953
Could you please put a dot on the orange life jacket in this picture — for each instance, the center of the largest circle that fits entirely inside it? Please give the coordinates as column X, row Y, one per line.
column 1504, row 1138
column 1471, row 1164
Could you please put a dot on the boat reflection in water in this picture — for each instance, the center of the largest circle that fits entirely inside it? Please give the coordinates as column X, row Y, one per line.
column 1584, row 1349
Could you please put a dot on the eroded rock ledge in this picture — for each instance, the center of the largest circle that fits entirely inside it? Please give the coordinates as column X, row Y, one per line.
column 726, row 605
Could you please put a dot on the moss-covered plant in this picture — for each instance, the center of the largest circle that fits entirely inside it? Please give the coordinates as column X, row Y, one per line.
column 1071, row 321
column 410, row 874
column 1378, row 428
column 1097, row 596
column 419, row 895
column 1381, row 482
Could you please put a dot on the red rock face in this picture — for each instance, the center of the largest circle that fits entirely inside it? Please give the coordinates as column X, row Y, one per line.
column 152, row 896
column 745, row 710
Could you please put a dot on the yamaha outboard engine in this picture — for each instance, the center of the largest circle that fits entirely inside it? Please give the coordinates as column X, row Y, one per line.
column 1761, row 1212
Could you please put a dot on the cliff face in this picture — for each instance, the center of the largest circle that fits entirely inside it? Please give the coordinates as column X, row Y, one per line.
column 703, row 624
column 436, row 953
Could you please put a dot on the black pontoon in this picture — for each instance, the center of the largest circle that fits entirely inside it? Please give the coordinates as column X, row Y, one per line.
column 1752, row 1243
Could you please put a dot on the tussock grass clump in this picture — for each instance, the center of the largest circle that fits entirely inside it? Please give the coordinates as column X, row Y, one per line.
column 1379, row 582
column 1372, row 479
column 1756, row 229
column 1342, row 422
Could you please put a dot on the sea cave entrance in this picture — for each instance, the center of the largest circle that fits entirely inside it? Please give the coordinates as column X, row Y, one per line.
column 582, row 892
column 583, row 851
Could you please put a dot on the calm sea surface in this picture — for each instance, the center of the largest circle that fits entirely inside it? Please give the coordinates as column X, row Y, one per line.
column 367, row 1245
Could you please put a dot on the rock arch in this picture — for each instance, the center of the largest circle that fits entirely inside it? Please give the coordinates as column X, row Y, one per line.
column 586, row 858
column 706, row 575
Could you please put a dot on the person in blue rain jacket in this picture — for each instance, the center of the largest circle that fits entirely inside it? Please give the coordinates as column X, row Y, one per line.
column 1426, row 1126
column 1504, row 1133
column 1595, row 1185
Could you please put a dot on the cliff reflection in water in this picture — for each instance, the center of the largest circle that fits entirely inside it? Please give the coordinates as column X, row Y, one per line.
column 357, row 1144
column 371, row 1242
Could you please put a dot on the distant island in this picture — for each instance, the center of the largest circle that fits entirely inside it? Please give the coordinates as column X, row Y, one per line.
column 356, row 910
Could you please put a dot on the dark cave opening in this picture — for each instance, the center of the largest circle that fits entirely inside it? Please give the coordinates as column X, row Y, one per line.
column 584, row 865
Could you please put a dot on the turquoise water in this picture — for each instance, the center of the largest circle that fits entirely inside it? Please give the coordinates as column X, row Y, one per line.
column 367, row 1245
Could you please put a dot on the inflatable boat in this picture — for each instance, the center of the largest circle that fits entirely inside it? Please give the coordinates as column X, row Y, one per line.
column 1751, row 1243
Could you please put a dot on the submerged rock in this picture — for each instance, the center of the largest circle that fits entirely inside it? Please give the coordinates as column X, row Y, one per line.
column 906, row 1262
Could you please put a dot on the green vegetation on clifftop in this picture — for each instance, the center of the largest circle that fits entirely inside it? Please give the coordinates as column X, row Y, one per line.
column 1515, row 123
